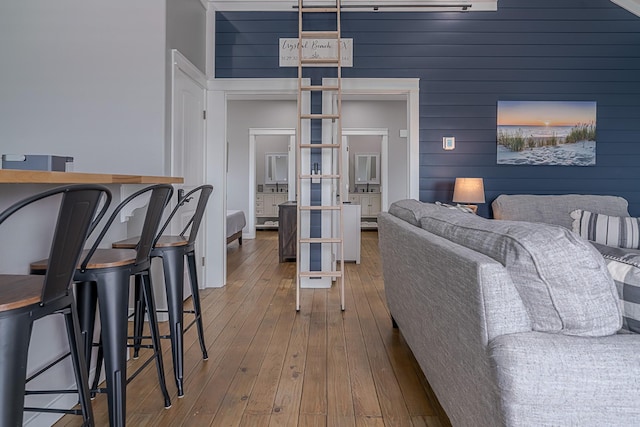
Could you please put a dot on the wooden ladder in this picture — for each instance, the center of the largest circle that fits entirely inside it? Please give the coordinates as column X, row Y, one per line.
column 314, row 175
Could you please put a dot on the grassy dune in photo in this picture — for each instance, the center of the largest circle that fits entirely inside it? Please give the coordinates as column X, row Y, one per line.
column 582, row 132
column 517, row 141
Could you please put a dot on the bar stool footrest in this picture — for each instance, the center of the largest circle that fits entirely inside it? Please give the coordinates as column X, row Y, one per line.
column 54, row 410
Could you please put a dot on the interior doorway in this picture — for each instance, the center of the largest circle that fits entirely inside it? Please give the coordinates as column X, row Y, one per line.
column 266, row 147
column 223, row 91
column 366, row 169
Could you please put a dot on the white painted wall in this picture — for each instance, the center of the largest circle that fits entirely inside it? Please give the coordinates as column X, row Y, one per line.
column 243, row 115
column 186, row 30
column 85, row 79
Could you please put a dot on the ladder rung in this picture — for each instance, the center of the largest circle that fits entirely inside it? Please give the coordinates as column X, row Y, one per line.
column 320, row 208
column 320, row 116
column 320, row 145
column 307, row 9
column 319, row 34
column 319, row 88
column 316, row 61
column 321, row 240
column 320, row 274
column 332, row 176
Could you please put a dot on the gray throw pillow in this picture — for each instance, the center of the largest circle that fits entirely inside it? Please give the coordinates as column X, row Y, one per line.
column 614, row 231
column 561, row 278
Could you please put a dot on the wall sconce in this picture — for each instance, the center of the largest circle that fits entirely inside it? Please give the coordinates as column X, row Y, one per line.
column 469, row 190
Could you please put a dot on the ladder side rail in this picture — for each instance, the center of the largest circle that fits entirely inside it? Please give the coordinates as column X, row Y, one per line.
column 327, row 146
column 340, row 159
column 299, row 159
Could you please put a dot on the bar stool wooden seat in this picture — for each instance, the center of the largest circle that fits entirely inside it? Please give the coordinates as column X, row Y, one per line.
column 27, row 298
column 103, row 279
column 173, row 249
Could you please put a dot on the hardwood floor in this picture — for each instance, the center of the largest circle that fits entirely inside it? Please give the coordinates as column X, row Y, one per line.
column 271, row 366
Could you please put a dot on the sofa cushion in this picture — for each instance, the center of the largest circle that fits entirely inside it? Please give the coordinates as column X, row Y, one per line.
column 614, row 231
column 555, row 209
column 561, row 278
column 624, row 267
column 410, row 210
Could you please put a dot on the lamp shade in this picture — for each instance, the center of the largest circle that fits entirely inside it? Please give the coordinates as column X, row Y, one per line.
column 468, row 190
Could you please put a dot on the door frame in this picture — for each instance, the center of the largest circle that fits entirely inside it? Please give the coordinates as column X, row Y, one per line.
column 181, row 65
column 220, row 91
column 291, row 186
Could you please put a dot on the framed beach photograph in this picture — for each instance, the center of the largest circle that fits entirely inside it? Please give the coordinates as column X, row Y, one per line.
column 560, row 133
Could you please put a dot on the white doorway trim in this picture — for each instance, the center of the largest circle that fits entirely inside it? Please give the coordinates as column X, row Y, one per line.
column 188, row 141
column 220, row 91
column 253, row 134
column 384, row 157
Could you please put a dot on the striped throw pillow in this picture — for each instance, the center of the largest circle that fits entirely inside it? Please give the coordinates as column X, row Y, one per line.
column 614, row 231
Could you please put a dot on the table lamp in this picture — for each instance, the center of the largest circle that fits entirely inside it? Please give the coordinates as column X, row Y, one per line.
column 469, row 190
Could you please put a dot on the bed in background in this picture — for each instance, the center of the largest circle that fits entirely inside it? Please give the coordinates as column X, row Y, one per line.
column 235, row 223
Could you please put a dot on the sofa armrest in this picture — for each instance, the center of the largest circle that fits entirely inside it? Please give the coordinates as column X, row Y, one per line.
column 553, row 379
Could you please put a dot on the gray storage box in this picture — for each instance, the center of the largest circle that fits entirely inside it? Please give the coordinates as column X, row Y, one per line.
column 38, row 162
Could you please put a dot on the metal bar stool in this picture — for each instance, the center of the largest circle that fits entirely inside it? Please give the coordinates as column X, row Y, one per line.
column 27, row 298
column 104, row 275
column 172, row 250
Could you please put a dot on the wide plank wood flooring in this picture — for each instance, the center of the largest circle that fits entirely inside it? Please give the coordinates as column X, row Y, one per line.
column 271, row 366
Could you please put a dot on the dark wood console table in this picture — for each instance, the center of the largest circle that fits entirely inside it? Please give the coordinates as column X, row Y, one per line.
column 287, row 231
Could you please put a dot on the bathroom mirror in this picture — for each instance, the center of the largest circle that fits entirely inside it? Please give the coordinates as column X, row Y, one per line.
column 276, row 168
column 367, row 168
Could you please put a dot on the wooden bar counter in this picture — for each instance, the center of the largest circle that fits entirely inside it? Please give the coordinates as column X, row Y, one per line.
column 14, row 176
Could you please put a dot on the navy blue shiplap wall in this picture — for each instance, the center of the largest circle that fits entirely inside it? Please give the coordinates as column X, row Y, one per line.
column 466, row 62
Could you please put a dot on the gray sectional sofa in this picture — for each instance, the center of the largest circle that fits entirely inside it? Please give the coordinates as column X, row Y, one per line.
column 513, row 323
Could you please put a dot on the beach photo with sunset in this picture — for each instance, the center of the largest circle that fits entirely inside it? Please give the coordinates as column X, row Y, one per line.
column 559, row 133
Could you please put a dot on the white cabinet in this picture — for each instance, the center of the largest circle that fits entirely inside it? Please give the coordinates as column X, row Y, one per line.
column 267, row 204
column 370, row 203
column 351, row 242
column 276, row 168
column 367, row 168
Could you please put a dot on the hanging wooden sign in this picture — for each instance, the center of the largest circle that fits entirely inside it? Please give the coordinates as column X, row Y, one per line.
column 315, row 49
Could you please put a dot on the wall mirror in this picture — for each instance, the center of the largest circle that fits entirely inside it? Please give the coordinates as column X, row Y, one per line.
column 276, row 168
column 367, row 168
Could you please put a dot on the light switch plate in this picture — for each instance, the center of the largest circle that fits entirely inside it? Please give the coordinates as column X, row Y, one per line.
column 448, row 142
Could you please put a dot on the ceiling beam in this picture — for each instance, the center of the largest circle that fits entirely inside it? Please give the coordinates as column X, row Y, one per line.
column 359, row 5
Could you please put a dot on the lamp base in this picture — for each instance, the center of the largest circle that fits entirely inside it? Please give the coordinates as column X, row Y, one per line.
column 474, row 208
